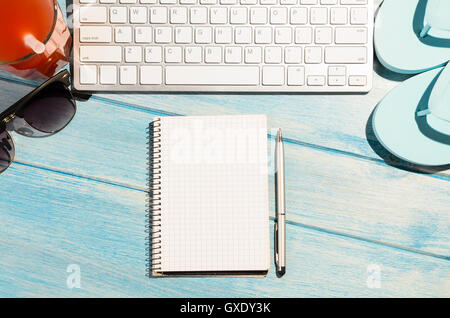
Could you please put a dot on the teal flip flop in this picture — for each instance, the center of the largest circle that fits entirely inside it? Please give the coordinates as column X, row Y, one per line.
column 413, row 36
column 413, row 120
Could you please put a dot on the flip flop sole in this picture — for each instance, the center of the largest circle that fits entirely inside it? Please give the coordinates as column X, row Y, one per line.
column 399, row 129
column 397, row 44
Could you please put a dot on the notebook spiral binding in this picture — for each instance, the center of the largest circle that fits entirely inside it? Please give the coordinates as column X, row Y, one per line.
column 153, row 216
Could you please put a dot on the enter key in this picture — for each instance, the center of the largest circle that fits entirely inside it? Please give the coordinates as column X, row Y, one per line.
column 349, row 35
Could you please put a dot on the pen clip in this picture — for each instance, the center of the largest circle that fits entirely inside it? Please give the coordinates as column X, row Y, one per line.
column 276, row 243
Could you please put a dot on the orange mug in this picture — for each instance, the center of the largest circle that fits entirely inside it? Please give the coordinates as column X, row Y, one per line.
column 35, row 41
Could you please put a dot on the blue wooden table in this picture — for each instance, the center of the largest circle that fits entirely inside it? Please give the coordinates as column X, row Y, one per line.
column 357, row 226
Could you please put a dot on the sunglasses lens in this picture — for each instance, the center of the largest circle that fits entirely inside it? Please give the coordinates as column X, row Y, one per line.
column 6, row 151
column 50, row 110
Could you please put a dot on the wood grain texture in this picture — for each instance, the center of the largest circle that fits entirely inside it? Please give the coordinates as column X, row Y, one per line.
column 325, row 189
column 78, row 197
column 100, row 227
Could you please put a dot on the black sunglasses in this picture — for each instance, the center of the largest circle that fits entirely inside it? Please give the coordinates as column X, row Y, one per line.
column 45, row 111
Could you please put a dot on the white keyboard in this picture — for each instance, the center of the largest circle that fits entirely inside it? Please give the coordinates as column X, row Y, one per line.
column 223, row 45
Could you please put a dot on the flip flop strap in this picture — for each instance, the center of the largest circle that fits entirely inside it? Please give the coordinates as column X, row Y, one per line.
column 439, row 101
column 437, row 17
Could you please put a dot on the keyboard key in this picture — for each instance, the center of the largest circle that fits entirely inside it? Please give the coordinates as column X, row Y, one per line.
column 218, row 15
column 336, row 80
column 133, row 54
column 253, row 55
column 346, row 55
column 93, row 14
column 299, row 16
column 318, row 80
column 143, row 34
column 213, row 54
column 357, row 80
column 278, row 15
column 153, row 54
column 283, row 35
column 303, row 35
column 263, row 35
column 123, row 34
column 128, row 75
column 138, row 15
column 243, row 35
column 296, row 76
column 88, row 74
column 238, row 15
column 95, row 34
column 193, row 54
column 108, row 75
column 203, row 35
column 358, row 16
column 173, row 54
column 323, row 35
column 212, row 75
column 313, row 55
column 118, row 15
column 158, row 15
column 223, row 35
column 352, row 2
column 163, row 35
column 351, row 35
column 293, row 55
column 178, row 15
column 273, row 75
column 258, row 15
column 107, row 54
column 336, row 70
column 151, row 75
column 233, row 54
column 273, row 55
column 199, row 15
column 338, row 15
column 319, row 15
column 183, row 35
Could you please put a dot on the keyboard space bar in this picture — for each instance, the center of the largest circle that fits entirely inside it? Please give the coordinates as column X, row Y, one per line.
column 212, row 75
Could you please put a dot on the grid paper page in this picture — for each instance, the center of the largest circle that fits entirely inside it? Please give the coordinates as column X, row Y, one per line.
column 215, row 209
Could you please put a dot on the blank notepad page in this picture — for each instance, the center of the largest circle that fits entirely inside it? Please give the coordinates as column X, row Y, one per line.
column 214, row 194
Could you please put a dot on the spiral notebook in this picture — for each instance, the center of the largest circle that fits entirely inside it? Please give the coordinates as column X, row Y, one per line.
column 208, row 197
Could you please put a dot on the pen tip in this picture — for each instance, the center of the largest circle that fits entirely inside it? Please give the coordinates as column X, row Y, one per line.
column 281, row 272
column 280, row 136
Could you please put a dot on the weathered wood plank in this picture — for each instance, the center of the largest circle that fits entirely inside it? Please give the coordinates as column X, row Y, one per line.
column 69, row 220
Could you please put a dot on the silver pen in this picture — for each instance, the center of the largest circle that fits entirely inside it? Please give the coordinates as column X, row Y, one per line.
column 280, row 224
